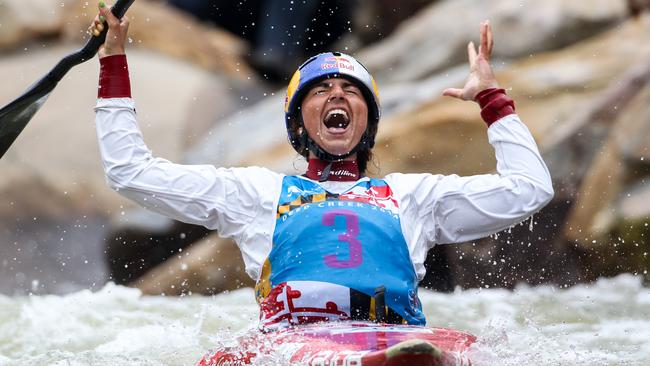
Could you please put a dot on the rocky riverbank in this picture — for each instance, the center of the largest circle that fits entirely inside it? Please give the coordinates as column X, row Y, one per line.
column 578, row 72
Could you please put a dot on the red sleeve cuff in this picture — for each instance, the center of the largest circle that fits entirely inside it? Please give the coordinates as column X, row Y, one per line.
column 114, row 77
column 495, row 104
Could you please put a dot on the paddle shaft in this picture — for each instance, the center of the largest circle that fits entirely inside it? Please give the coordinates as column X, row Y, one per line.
column 15, row 115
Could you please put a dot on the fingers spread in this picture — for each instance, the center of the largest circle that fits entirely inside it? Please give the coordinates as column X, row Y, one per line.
column 490, row 38
column 483, row 48
column 453, row 92
column 471, row 53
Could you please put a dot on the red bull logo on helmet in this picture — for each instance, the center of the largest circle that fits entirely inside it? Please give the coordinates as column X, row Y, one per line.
column 337, row 62
column 322, row 66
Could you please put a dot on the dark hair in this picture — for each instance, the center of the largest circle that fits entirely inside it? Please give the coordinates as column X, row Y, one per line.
column 363, row 157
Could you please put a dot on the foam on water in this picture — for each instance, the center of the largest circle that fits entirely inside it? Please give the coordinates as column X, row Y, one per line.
column 605, row 323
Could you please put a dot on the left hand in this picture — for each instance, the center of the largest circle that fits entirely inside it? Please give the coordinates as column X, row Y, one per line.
column 481, row 76
column 117, row 31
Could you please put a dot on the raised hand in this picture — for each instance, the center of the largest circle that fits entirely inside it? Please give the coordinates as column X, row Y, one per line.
column 481, row 76
column 117, row 31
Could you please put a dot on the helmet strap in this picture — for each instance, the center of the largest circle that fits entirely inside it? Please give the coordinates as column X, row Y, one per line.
column 326, row 172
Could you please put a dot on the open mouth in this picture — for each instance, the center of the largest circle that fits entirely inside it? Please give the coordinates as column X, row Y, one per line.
column 337, row 119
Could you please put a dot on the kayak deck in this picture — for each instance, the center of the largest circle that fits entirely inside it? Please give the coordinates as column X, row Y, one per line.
column 350, row 344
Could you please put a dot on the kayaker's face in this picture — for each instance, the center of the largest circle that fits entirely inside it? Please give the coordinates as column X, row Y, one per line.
column 335, row 115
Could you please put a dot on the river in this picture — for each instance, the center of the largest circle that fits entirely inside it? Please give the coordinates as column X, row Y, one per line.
column 603, row 323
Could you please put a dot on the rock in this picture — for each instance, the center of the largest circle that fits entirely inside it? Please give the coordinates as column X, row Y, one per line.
column 159, row 27
column 25, row 20
column 547, row 93
column 548, row 90
column 210, row 266
column 67, row 180
column 625, row 250
column 143, row 241
column 376, row 19
column 437, row 37
column 52, row 173
column 598, row 189
column 633, row 203
column 262, row 125
column 633, row 135
column 72, row 169
column 214, row 102
column 527, row 253
column 443, row 136
column 593, row 216
column 564, row 96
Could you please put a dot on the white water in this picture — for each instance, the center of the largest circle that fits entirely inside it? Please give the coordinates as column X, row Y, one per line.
column 604, row 323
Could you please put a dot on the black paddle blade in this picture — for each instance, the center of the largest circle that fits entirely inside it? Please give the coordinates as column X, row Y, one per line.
column 15, row 115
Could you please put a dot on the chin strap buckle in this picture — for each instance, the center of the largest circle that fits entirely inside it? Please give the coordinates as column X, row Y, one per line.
column 326, row 172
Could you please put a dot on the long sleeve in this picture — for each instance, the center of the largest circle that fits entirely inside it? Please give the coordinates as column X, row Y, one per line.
column 466, row 208
column 455, row 209
column 197, row 194
column 237, row 202
column 438, row 209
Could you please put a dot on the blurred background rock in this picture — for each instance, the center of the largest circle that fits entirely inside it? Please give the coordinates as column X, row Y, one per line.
column 209, row 89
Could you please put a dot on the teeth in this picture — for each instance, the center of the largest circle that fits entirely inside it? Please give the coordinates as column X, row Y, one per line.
column 337, row 111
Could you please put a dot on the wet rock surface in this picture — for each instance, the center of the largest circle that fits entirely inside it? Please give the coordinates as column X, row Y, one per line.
column 436, row 37
column 26, row 20
column 577, row 72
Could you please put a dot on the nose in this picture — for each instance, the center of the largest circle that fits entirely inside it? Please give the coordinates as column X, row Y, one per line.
column 336, row 92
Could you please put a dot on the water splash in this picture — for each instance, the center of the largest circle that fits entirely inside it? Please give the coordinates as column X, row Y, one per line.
column 605, row 323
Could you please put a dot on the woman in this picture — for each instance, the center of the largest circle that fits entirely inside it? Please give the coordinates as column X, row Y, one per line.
column 330, row 244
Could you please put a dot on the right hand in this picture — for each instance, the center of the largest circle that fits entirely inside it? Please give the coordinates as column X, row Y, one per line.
column 117, row 31
column 481, row 76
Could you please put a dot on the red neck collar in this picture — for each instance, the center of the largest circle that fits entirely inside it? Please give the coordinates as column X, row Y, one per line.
column 346, row 170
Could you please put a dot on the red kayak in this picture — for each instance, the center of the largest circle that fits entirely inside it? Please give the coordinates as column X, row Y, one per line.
column 349, row 344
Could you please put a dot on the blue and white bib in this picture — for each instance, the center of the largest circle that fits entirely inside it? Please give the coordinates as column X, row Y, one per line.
column 332, row 251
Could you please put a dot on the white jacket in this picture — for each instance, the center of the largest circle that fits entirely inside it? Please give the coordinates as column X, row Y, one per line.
column 242, row 202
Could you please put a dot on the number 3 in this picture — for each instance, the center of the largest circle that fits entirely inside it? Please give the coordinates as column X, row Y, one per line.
column 350, row 237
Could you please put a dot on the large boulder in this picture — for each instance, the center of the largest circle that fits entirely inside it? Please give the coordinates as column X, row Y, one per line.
column 588, row 230
column 558, row 94
column 615, row 166
column 52, row 173
column 53, row 168
column 59, row 145
column 437, row 37
column 376, row 19
column 24, row 20
column 159, row 27
column 209, row 266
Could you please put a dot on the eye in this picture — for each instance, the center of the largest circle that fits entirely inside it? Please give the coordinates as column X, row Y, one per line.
column 353, row 90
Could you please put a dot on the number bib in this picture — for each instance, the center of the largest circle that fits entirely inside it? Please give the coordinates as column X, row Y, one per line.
column 331, row 251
